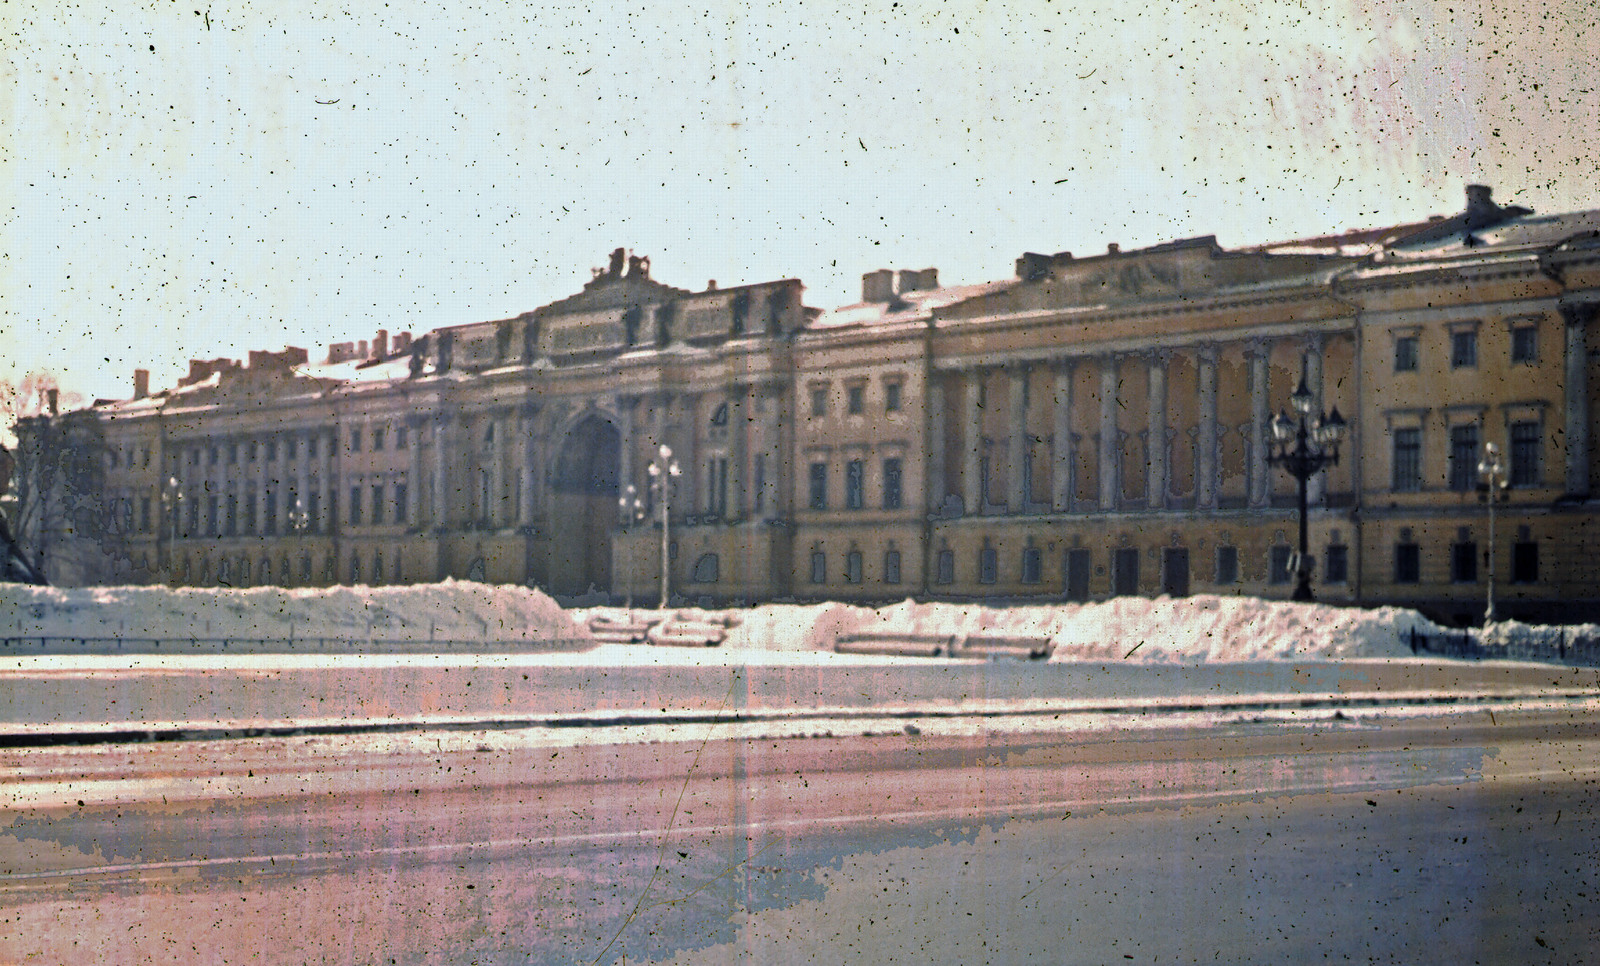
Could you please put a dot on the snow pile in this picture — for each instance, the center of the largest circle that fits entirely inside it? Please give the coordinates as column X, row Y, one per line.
column 450, row 611
column 1181, row 630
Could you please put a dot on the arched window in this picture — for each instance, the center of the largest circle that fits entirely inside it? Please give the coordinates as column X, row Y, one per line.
column 706, row 569
column 355, row 569
column 377, row 567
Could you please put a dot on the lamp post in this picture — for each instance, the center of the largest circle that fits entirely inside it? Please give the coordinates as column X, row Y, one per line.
column 171, row 509
column 1303, row 446
column 1492, row 488
column 663, row 470
column 631, row 509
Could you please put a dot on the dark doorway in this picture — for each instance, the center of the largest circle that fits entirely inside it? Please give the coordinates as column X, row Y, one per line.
column 583, row 511
column 1175, row 572
column 1125, row 572
column 1077, row 574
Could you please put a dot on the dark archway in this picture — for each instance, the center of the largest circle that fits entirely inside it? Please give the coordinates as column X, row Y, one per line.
column 583, row 493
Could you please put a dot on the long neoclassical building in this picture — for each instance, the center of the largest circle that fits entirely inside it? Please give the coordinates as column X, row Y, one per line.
column 1089, row 427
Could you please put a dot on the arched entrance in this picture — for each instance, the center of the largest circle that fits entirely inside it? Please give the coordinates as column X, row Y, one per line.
column 583, row 511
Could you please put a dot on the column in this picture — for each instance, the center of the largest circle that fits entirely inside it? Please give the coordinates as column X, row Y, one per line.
column 1205, row 455
column 530, row 464
column 441, row 464
column 1317, row 485
column 738, row 449
column 1109, row 444
column 413, row 474
column 1260, row 416
column 1017, row 440
column 936, row 488
column 1155, row 480
column 1061, row 477
column 325, row 477
column 773, row 447
column 625, row 458
column 496, row 510
column 972, row 440
column 1576, row 401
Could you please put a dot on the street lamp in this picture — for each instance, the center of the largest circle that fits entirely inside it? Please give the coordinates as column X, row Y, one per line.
column 1303, row 446
column 1492, row 488
column 663, row 470
column 171, row 509
column 631, row 509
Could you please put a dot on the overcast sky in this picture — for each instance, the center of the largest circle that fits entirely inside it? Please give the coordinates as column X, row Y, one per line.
column 184, row 181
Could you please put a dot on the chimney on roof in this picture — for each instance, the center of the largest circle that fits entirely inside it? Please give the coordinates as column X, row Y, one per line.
column 380, row 345
column 361, row 350
column 1479, row 198
column 1113, row 249
column 141, row 383
column 53, row 400
column 877, row 286
column 923, row 281
column 402, row 342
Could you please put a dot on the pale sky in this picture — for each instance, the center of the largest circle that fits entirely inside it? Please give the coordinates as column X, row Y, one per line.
column 183, row 181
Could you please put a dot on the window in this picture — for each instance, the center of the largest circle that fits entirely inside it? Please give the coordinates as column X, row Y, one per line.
column 1525, row 344
column 233, row 452
column 891, row 397
column 377, row 567
column 852, row 567
column 272, row 450
column 250, row 517
column 311, row 448
column 1463, row 349
column 892, row 492
column 1278, row 571
column 819, row 567
column 853, row 484
column 891, row 567
column 355, row 569
column 1077, row 565
column 355, row 506
column 291, row 448
column 253, row 451
column 819, row 401
column 211, row 516
column 1125, row 571
column 1464, row 562
column 819, row 486
column 1524, row 562
column 1405, row 353
column 211, row 456
column 377, row 446
column 355, row 447
column 377, row 504
column 144, row 514
column 402, row 438
column 988, row 565
column 706, row 569
column 1407, row 563
column 1407, row 468
column 1525, row 454
column 1336, row 569
column 855, row 400
column 1464, row 457
column 399, row 501
column 946, row 566
column 230, row 523
column 270, row 512
column 1032, row 565
column 1227, row 565
column 313, row 512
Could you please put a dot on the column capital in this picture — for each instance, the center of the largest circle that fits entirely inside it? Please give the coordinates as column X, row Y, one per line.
column 1577, row 312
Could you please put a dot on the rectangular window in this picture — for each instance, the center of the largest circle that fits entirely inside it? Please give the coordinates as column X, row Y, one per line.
column 272, row 450
column 253, row 451
column 313, row 512
column 819, row 486
column 892, row 492
column 1227, row 565
column 211, row 456
column 291, row 448
column 233, row 452
column 988, row 565
column 1463, row 350
column 891, row 397
column 355, row 440
column 211, row 516
column 819, row 567
column 355, row 506
column 270, row 512
column 946, row 567
column 1464, row 457
column 311, row 448
column 855, row 400
column 399, row 501
column 1525, row 454
column 377, row 440
column 402, row 440
column 1336, row 570
column 193, row 527
column 1125, row 572
column 144, row 514
column 1278, row 564
column 1525, row 344
column 1032, row 565
column 1464, row 562
column 852, row 567
column 1407, row 460
column 1407, row 563
column 1405, row 353
column 1525, row 562
column 819, row 401
column 891, row 567
column 1077, row 565
column 250, row 518
column 377, row 504
column 853, row 484
column 230, row 523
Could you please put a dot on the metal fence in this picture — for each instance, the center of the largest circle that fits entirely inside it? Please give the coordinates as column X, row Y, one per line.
column 1556, row 646
column 20, row 645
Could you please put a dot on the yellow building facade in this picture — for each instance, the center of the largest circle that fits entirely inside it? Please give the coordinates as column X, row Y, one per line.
column 1089, row 427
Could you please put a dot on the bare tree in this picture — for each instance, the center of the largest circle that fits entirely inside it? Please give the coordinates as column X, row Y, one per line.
column 51, row 520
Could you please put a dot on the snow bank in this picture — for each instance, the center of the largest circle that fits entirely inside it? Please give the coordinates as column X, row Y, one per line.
column 1182, row 630
column 451, row 611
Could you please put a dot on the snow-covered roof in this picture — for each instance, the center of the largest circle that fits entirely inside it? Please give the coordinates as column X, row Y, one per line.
column 906, row 306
